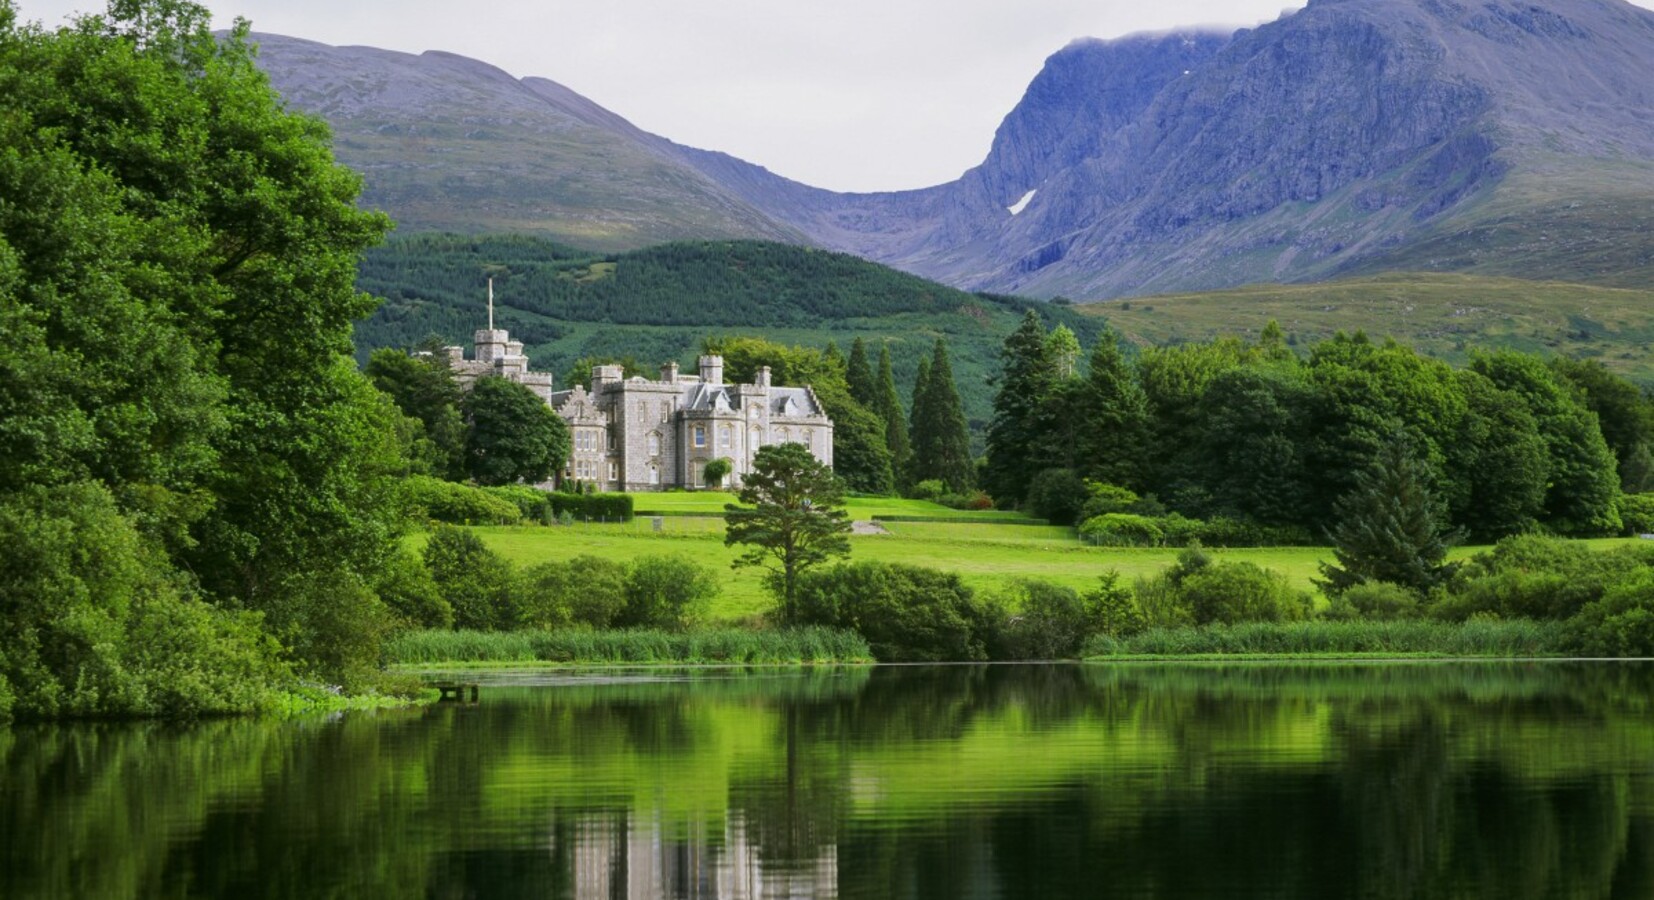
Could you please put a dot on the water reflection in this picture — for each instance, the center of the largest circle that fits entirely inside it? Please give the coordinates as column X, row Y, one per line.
column 1416, row 781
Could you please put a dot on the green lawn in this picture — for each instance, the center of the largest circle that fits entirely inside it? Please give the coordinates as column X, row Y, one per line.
column 860, row 508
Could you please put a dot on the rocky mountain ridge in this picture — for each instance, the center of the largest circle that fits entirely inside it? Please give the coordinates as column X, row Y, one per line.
column 1351, row 136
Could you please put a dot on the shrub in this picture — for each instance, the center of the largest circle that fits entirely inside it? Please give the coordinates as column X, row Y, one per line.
column 533, row 503
column 1056, row 495
column 1637, row 513
column 1102, row 499
column 603, row 507
column 1122, row 530
column 929, row 489
column 1113, row 609
column 457, row 504
column 475, row 581
column 1374, row 601
column 1619, row 624
column 715, row 472
column 1533, row 576
column 1231, row 592
column 666, row 592
column 906, row 613
column 598, row 590
column 411, row 594
column 1047, row 621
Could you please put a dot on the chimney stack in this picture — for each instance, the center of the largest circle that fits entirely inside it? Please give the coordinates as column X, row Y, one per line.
column 712, row 369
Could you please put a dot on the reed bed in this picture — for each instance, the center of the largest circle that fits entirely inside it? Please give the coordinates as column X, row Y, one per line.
column 737, row 646
column 1510, row 638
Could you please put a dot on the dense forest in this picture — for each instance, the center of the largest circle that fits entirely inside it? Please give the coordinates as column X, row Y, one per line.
column 662, row 303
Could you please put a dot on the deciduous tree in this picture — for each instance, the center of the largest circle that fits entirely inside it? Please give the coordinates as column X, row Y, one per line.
column 791, row 521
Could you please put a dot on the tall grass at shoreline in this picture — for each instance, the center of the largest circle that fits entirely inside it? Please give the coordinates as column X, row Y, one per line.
column 1510, row 638
column 723, row 645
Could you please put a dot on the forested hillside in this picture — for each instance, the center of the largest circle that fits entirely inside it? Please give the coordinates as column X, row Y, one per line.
column 660, row 303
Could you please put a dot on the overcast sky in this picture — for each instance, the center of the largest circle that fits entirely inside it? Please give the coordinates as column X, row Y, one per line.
column 852, row 95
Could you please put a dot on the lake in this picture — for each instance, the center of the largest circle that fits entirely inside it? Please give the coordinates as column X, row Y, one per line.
column 1420, row 780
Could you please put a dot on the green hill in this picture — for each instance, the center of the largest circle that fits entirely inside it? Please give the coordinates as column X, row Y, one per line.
column 1444, row 315
column 657, row 304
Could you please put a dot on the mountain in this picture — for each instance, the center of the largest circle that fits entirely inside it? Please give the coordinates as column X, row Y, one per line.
column 1353, row 137
column 448, row 143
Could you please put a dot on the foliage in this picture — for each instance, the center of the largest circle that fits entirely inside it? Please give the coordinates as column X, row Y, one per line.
column 177, row 257
column 1636, row 513
column 472, row 579
column 98, row 624
column 906, row 613
column 423, row 388
column 1375, row 601
column 1047, row 621
column 1020, row 436
column 667, row 592
column 412, row 594
column 1231, row 592
column 457, row 504
column 511, row 434
column 1389, row 527
column 725, row 645
column 594, row 507
column 1102, row 498
column 791, row 522
column 1113, row 608
column 587, row 590
column 1057, row 495
column 1519, row 638
column 941, row 442
column 715, row 472
column 532, row 503
column 1538, row 577
column 1113, row 415
column 1619, row 624
column 888, row 405
column 1122, row 530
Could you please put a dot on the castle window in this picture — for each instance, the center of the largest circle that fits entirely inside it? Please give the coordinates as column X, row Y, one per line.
column 700, row 435
column 809, row 439
column 654, row 443
column 723, row 437
column 614, row 472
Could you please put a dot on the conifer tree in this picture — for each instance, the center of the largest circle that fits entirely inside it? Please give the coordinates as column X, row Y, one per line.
column 1389, row 527
column 1017, row 434
column 889, row 406
column 859, row 375
column 1115, row 411
column 941, row 439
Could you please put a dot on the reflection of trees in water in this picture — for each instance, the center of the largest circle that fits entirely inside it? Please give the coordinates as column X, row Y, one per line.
column 1282, row 781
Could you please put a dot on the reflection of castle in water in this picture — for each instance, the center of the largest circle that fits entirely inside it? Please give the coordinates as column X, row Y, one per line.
column 617, row 855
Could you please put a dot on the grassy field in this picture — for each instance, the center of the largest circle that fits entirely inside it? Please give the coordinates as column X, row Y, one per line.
column 712, row 503
column 986, row 554
column 1443, row 315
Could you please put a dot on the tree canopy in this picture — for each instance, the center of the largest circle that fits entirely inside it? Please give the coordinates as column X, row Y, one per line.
column 791, row 521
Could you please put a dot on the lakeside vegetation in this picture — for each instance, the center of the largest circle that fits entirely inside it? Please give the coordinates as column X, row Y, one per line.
column 721, row 646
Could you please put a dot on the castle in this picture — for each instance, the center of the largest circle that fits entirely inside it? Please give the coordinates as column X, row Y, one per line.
column 633, row 434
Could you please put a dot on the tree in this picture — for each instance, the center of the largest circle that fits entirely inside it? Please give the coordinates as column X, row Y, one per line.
column 916, row 413
column 790, row 522
column 1114, row 412
column 858, row 375
column 1389, row 528
column 716, row 471
column 424, row 389
column 889, row 407
column 512, row 435
column 1623, row 412
column 941, row 441
column 1019, row 444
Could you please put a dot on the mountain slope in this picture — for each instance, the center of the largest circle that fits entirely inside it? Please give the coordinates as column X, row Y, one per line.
column 450, row 143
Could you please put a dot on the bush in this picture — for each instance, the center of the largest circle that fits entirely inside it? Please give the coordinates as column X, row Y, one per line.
column 929, row 489
column 457, row 504
column 1102, row 499
column 475, row 581
column 1056, row 495
column 1122, row 530
column 533, row 503
column 601, row 507
column 1619, row 624
column 1637, row 513
column 598, row 591
column 1231, row 592
column 666, row 592
column 1047, row 621
column 1113, row 609
column 906, row 613
column 1374, row 601
column 1537, row 577
column 412, row 595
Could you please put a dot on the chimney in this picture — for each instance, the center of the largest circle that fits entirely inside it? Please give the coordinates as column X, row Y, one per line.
column 712, row 369
column 763, row 376
column 669, row 373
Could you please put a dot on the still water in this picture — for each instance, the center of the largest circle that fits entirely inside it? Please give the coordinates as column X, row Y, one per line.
column 1280, row 781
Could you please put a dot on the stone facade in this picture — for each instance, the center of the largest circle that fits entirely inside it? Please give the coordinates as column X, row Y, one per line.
column 633, row 434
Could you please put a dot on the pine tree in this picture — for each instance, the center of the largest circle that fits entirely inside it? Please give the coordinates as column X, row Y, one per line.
column 1115, row 411
column 1016, row 436
column 859, row 375
column 916, row 421
column 941, row 439
column 889, row 405
column 1388, row 528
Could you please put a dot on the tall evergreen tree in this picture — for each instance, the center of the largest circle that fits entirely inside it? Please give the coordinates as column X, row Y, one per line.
column 889, row 406
column 1389, row 528
column 1115, row 411
column 1017, row 438
column 859, row 375
column 941, row 439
